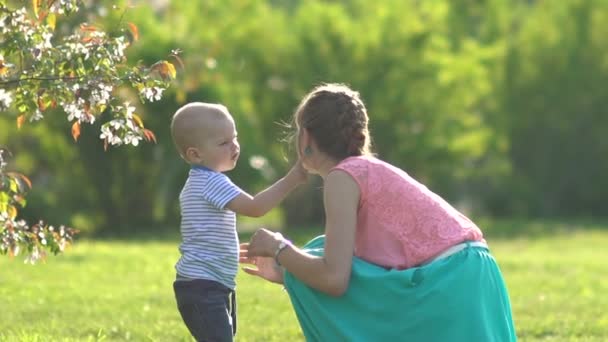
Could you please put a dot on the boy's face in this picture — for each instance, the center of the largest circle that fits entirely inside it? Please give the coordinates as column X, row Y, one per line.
column 220, row 148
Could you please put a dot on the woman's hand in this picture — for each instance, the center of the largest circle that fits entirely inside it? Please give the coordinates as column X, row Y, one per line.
column 266, row 269
column 263, row 243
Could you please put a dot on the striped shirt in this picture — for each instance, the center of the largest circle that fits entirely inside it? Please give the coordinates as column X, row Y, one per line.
column 210, row 244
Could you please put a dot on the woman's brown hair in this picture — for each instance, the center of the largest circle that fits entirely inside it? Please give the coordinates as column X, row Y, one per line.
column 336, row 118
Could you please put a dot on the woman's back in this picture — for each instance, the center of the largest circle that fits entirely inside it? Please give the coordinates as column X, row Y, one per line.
column 401, row 223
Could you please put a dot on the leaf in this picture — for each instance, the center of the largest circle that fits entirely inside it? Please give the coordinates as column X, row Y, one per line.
column 36, row 5
column 87, row 27
column 4, row 200
column 43, row 15
column 20, row 200
column 76, row 130
column 12, row 211
column 134, row 31
column 3, row 68
column 101, row 108
column 149, row 135
column 165, row 69
column 13, row 185
column 22, row 177
column 138, row 120
column 41, row 104
column 51, row 21
column 20, row 121
column 171, row 69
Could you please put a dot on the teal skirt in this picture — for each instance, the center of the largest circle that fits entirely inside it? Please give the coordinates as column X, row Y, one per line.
column 459, row 298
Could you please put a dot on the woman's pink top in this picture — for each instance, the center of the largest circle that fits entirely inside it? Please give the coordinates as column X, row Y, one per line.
column 401, row 223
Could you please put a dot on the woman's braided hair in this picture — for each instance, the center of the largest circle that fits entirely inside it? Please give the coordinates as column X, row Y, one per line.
column 337, row 120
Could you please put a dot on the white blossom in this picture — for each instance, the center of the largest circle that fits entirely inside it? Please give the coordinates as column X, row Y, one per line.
column 75, row 110
column 152, row 94
column 117, row 124
column 63, row 6
column 132, row 139
column 121, row 45
column 101, row 94
column 3, row 28
column 5, row 99
column 115, row 140
column 44, row 44
column 130, row 125
column 130, row 110
column 77, row 49
column 106, row 133
column 37, row 116
column 35, row 256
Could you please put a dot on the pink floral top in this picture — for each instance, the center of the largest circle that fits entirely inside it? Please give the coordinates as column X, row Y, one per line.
column 401, row 223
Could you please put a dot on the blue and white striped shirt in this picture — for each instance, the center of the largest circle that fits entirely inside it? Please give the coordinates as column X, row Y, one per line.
column 210, row 244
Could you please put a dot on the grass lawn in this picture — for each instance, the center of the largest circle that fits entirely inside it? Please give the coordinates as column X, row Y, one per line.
column 121, row 290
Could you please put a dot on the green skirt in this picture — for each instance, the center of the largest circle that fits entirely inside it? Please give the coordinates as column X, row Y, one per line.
column 459, row 298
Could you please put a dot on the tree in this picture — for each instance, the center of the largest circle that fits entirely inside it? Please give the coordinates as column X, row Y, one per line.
column 46, row 69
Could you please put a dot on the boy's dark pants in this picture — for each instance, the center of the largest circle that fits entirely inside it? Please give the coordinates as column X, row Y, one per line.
column 208, row 308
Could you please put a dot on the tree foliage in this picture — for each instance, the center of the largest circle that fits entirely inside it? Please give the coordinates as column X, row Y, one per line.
column 76, row 70
column 497, row 106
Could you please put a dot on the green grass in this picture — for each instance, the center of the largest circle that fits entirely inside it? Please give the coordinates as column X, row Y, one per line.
column 121, row 290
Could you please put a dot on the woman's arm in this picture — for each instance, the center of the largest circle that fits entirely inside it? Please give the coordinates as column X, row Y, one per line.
column 331, row 273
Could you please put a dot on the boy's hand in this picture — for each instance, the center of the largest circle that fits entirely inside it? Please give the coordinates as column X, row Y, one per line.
column 297, row 173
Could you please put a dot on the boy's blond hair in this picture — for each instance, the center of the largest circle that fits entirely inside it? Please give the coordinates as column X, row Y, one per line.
column 190, row 122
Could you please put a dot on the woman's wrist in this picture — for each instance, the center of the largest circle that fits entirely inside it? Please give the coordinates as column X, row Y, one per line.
column 281, row 246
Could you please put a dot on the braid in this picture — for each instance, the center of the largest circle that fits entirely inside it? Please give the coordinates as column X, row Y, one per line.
column 353, row 121
column 337, row 119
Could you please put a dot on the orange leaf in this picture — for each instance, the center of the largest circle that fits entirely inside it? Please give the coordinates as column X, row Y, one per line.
column 20, row 120
column 86, row 27
column 76, row 130
column 149, row 135
column 134, row 31
column 43, row 15
column 41, row 105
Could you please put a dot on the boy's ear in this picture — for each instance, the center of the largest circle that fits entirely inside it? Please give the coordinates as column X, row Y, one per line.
column 192, row 154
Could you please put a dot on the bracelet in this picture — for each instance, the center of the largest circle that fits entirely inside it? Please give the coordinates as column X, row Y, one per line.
column 282, row 245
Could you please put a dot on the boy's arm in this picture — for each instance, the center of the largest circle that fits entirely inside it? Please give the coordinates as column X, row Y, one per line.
column 261, row 203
